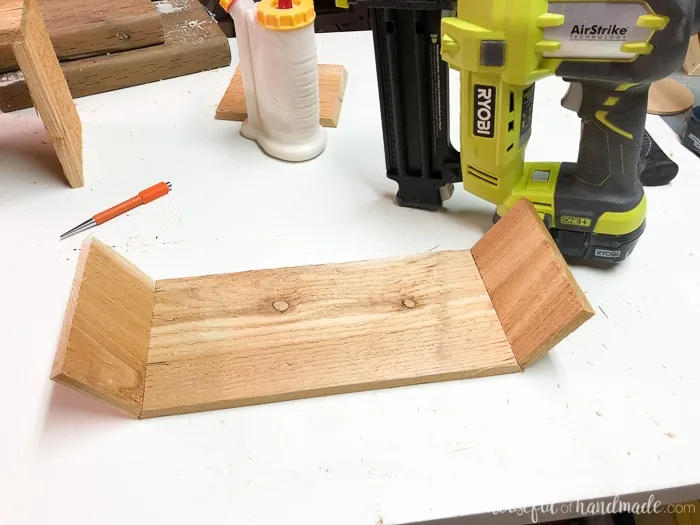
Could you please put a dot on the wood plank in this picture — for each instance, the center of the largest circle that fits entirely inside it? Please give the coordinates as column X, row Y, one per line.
column 50, row 92
column 10, row 20
column 193, row 43
column 332, row 81
column 104, row 343
column 537, row 298
column 273, row 335
column 83, row 28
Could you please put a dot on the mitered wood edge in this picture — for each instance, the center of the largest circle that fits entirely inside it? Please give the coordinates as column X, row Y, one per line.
column 71, row 305
column 103, row 345
column 534, row 293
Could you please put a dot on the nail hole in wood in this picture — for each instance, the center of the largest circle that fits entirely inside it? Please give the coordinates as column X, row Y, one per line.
column 280, row 306
column 408, row 303
column 122, row 36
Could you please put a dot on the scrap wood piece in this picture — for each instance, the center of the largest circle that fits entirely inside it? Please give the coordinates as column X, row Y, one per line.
column 332, row 81
column 193, row 43
column 261, row 336
column 669, row 97
column 691, row 64
column 83, row 28
column 537, row 298
column 45, row 82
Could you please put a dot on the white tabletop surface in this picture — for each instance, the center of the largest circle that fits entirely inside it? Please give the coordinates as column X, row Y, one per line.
column 610, row 411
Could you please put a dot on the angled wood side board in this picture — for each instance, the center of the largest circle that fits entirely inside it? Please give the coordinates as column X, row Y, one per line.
column 156, row 348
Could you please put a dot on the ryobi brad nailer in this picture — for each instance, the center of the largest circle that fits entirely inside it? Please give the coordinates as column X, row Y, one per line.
column 610, row 51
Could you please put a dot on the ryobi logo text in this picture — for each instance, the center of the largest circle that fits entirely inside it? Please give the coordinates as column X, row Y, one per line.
column 608, row 254
column 484, row 110
column 598, row 32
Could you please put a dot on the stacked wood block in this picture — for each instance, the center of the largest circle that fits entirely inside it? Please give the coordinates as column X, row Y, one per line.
column 104, row 45
column 24, row 36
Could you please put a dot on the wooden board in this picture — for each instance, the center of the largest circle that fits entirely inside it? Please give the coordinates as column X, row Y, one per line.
column 691, row 64
column 104, row 341
column 82, row 28
column 193, row 43
column 10, row 20
column 332, row 81
column 45, row 82
column 669, row 97
column 537, row 299
column 274, row 335
column 262, row 336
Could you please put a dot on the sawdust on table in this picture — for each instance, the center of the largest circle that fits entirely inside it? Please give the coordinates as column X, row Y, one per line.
column 166, row 7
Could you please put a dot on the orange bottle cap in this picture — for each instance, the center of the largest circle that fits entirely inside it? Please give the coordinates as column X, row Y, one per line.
column 270, row 16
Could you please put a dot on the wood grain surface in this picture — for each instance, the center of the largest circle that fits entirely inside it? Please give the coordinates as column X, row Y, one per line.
column 193, row 43
column 10, row 19
column 104, row 343
column 83, row 28
column 49, row 90
column 691, row 64
column 220, row 341
column 332, row 81
column 273, row 335
column 533, row 291
column 669, row 97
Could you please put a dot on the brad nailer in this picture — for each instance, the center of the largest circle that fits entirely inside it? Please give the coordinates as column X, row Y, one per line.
column 608, row 51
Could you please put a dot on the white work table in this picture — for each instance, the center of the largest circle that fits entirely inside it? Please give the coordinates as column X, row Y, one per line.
column 612, row 410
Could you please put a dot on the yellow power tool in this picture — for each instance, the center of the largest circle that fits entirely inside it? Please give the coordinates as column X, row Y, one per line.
column 610, row 52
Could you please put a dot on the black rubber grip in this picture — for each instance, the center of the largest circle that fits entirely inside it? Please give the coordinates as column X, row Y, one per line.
column 613, row 118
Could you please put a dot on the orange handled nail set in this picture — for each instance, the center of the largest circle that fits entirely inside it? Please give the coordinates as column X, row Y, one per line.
column 144, row 197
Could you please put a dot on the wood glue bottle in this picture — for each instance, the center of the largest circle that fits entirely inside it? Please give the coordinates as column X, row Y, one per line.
column 277, row 53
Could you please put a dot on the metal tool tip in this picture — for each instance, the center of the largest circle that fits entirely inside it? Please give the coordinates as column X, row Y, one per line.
column 90, row 223
column 170, row 185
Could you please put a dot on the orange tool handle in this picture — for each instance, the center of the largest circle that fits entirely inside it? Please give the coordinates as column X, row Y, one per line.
column 144, row 197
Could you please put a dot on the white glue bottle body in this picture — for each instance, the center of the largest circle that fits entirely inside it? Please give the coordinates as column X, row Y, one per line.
column 277, row 53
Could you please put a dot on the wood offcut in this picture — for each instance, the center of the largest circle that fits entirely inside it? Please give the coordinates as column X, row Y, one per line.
column 691, row 64
column 192, row 43
column 219, row 341
column 24, row 30
column 669, row 97
column 332, row 80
